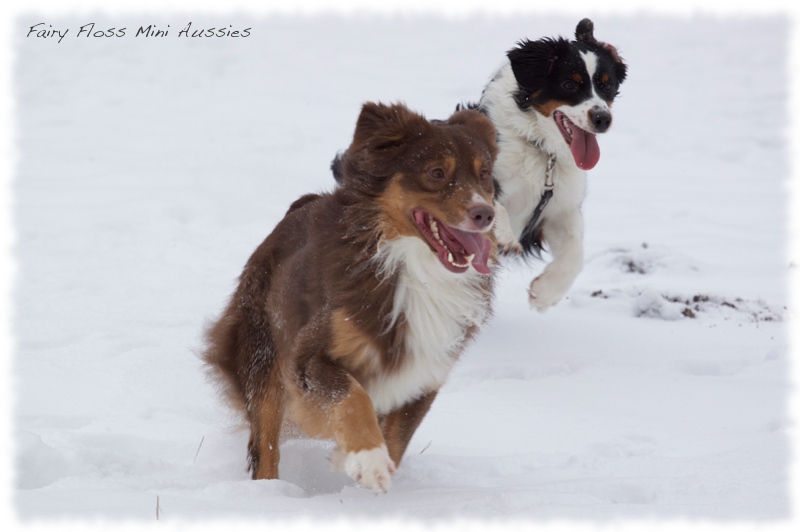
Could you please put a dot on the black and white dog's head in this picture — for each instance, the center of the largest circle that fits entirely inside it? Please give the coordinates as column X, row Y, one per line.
column 572, row 85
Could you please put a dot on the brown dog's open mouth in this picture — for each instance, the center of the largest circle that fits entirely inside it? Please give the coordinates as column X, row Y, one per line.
column 582, row 144
column 455, row 249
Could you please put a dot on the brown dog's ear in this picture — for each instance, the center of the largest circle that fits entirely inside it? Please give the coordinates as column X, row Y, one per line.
column 382, row 134
column 381, row 127
column 478, row 124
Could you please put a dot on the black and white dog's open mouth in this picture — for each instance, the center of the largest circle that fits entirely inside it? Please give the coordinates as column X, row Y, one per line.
column 583, row 144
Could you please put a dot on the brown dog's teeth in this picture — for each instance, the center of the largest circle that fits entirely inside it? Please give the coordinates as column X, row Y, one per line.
column 452, row 261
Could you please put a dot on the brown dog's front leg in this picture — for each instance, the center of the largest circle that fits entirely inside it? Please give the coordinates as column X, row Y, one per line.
column 399, row 425
column 329, row 403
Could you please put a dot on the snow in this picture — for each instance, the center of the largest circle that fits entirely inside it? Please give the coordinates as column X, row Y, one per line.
column 150, row 169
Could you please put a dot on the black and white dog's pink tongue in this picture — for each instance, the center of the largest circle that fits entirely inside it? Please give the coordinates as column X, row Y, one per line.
column 584, row 148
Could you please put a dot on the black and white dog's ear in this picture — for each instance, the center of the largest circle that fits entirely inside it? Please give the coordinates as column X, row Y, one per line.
column 584, row 33
column 620, row 68
column 532, row 61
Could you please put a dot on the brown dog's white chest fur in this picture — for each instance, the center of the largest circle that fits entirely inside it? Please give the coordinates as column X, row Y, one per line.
column 439, row 307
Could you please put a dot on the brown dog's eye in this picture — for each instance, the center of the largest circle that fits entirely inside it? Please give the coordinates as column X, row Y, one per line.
column 436, row 173
column 484, row 174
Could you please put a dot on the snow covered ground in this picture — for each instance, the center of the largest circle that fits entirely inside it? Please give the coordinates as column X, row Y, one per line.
column 150, row 168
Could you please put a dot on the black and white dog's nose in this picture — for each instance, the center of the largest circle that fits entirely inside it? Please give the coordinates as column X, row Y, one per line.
column 601, row 120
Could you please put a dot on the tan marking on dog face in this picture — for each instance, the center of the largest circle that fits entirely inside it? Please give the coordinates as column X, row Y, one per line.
column 547, row 108
column 577, row 78
column 440, row 175
column 352, row 347
column 604, row 77
column 478, row 165
column 405, row 193
column 449, row 164
column 396, row 205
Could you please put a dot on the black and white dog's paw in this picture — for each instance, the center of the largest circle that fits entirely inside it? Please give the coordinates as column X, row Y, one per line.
column 547, row 290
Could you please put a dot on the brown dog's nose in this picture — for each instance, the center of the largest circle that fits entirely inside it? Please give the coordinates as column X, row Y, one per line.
column 481, row 216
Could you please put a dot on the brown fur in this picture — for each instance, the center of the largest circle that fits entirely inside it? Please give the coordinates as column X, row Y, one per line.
column 306, row 329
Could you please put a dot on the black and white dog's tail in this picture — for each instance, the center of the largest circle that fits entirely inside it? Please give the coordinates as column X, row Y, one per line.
column 336, row 166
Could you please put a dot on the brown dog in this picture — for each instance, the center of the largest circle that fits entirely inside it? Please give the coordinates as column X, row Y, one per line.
column 349, row 316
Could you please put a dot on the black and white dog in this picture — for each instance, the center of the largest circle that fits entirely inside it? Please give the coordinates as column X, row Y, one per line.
column 548, row 102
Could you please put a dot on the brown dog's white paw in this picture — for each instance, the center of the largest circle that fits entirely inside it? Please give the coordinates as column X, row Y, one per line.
column 372, row 468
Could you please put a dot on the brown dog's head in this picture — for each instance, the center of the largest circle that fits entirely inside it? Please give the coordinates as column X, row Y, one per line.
column 432, row 180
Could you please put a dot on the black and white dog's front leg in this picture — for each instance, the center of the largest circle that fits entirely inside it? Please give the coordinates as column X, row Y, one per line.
column 507, row 243
column 562, row 234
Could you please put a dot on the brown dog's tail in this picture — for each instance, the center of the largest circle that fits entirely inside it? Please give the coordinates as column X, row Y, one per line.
column 240, row 353
column 241, row 358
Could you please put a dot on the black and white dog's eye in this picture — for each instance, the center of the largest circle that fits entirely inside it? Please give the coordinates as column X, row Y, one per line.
column 568, row 86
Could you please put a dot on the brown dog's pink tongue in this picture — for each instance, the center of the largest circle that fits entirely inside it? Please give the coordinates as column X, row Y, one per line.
column 584, row 148
column 475, row 244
